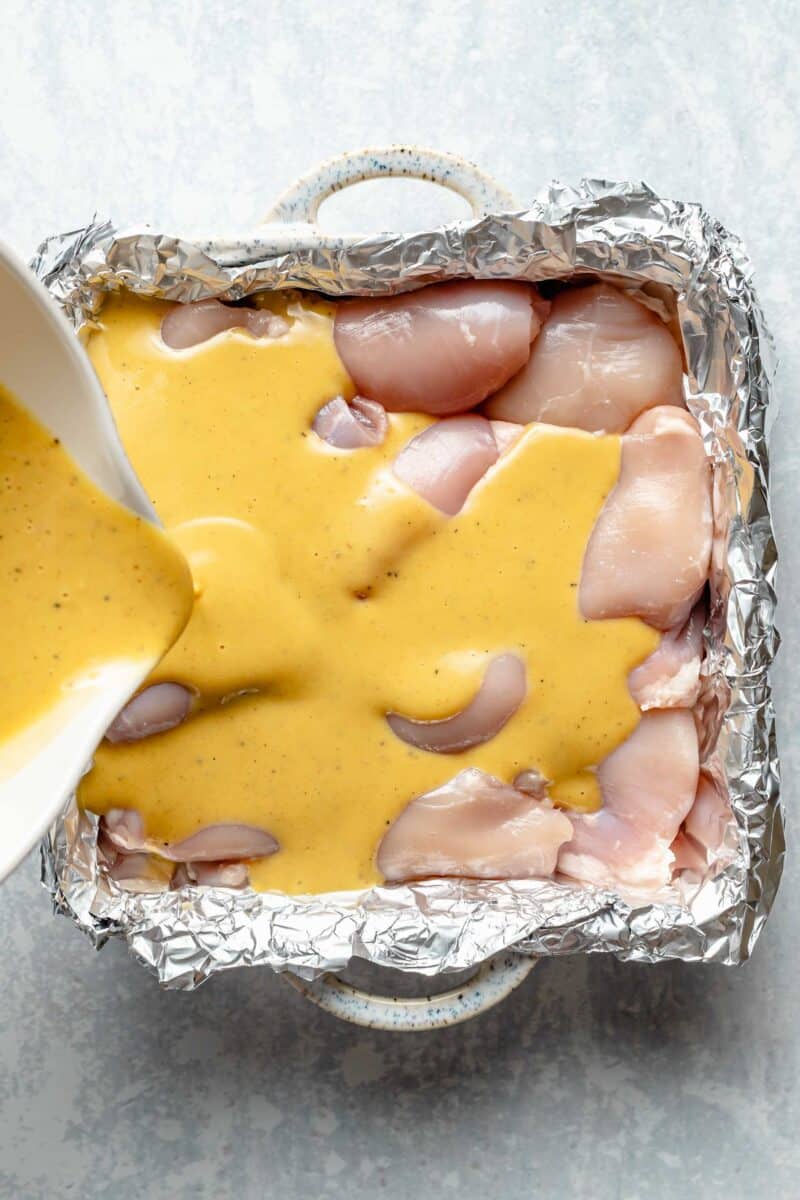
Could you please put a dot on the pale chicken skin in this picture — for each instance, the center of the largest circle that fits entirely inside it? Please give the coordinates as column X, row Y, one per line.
column 600, row 360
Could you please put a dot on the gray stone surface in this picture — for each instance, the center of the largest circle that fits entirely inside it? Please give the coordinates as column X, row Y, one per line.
column 596, row 1079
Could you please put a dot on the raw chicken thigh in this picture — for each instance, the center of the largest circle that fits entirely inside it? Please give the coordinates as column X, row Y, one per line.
column 710, row 816
column 600, row 360
column 498, row 698
column 215, row 855
column 648, row 786
column 650, row 549
column 651, row 779
column 705, row 839
column 446, row 460
column 124, row 828
column 188, row 325
column 670, row 677
column 155, row 710
column 442, row 349
column 474, row 826
column 351, row 426
column 608, row 851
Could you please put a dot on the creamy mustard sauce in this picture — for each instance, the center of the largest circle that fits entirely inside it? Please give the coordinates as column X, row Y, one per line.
column 83, row 581
column 327, row 594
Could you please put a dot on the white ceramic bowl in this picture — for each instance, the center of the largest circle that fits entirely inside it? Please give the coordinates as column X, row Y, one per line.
column 44, row 366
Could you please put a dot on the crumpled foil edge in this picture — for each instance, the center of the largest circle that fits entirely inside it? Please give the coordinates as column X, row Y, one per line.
column 623, row 231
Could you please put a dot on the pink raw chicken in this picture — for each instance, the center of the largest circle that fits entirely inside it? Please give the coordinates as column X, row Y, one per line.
column 446, row 460
column 155, row 710
column 210, row 874
column 649, row 551
column 648, row 784
column 506, row 434
column 600, row 360
column 498, row 698
column 710, row 815
column 703, row 841
column 187, row 325
column 442, row 349
column 670, row 677
column 351, row 426
column 473, row 826
column 608, row 851
column 211, row 857
column 138, row 873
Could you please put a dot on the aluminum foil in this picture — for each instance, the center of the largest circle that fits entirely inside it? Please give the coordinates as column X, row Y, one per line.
column 622, row 231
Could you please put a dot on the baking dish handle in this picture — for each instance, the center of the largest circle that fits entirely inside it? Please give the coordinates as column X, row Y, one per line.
column 495, row 979
column 300, row 203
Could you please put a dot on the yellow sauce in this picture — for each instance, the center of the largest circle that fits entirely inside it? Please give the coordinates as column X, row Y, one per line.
column 83, row 582
column 329, row 595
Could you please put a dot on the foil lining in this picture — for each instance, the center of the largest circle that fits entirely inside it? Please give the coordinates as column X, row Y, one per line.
column 624, row 232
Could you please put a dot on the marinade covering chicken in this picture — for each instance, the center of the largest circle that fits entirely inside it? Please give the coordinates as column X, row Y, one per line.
column 482, row 365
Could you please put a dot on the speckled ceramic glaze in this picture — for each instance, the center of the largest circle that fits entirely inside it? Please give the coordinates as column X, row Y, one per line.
column 300, row 203
column 493, row 981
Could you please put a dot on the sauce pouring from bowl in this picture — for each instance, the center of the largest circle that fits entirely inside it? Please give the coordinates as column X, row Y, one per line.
column 91, row 592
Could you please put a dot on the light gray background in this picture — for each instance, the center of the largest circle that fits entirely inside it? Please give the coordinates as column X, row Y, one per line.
column 596, row 1079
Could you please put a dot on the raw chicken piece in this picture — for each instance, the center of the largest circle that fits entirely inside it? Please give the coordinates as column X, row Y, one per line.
column 710, row 815
column 187, row 325
column 473, row 826
column 705, row 840
column 123, row 831
column 607, row 850
column 210, row 874
column 664, row 419
column 215, row 843
column 648, row 785
column 687, row 855
column 351, row 426
column 140, row 873
column 498, row 698
column 446, row 460
column 709, row 711
column 601, row 359
column 506, row 434
column 651, row 779
column 156, row 709
column 121, row 842
column 532, row 783
column 649, row 551
column 123, row 828
column 442, row 349
column 670, row 677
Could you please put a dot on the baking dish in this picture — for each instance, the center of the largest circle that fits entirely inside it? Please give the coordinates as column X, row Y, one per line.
column 621, row 232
